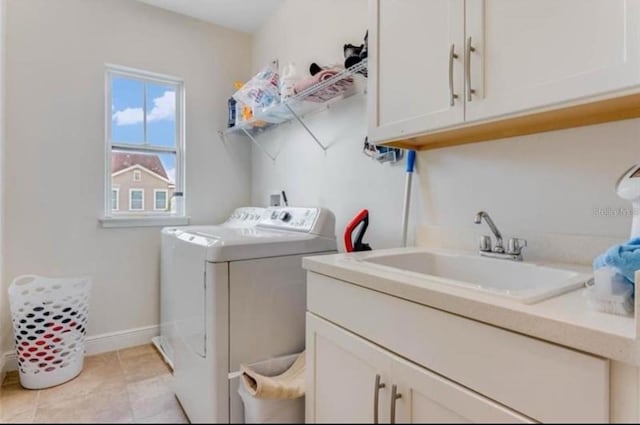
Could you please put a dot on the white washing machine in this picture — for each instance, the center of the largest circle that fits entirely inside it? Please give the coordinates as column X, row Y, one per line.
column 244, row 217
column 236, row 295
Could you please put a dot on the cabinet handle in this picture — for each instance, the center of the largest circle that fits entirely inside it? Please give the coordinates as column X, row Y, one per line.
column 376, row 398
column 395, row 395
column 467, row 69
column 452, row 56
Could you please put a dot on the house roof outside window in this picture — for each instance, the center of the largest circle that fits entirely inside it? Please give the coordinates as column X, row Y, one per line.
column 123, row 160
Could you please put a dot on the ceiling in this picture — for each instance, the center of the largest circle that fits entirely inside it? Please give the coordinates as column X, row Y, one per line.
column 241, row 15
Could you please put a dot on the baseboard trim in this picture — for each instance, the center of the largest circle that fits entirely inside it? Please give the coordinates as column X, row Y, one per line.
column 97, row 344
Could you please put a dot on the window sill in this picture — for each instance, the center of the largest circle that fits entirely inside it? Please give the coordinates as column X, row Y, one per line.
column 112, row 222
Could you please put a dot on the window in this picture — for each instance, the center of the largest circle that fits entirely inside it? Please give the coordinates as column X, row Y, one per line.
column 115, row 199
column 160, row 199
column 136, row 199
column 144, row 140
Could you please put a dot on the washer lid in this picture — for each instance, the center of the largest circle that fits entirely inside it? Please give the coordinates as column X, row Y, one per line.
column 230, row 244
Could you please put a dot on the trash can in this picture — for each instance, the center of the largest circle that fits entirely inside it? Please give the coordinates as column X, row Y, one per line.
column 49, row 325
column 273, row 410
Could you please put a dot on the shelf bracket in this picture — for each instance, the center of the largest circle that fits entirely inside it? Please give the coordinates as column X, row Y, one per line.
column 255, row 142
column 299, row 119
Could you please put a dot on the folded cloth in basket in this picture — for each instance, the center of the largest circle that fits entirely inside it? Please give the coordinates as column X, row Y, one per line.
column 625, row 257
column 328, row 92
column 287, row 385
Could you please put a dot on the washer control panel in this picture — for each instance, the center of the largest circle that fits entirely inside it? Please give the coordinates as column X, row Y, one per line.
column 290, row 218
column 244, row 217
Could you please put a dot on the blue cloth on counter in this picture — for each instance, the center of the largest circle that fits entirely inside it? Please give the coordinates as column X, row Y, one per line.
column 625, row 257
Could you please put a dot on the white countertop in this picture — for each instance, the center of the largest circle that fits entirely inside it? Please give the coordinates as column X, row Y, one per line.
column 565, row 319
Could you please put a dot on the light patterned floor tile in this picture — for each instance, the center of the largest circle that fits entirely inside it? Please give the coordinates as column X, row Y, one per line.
column 101, row 374
column 152, row 400
column 118, row 387
column 103, row 407
column 139, row 364
column 16, row 401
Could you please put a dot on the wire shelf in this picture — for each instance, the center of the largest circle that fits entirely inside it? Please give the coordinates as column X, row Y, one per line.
column 296, row 107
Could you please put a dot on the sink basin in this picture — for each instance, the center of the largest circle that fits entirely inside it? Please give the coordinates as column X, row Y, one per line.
column 524, row 282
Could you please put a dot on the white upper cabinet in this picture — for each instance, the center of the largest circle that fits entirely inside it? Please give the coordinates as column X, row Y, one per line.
column 508, row 57
column 416, row 69
column 537, row 53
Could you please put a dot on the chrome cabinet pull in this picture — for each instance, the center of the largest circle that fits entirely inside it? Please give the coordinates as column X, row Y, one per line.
column 376, row 397
column 452, row 56
column 467, row 69
column 395, row 395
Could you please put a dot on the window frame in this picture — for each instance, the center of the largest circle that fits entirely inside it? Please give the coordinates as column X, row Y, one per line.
column 117, row 191
column 136, row 189
column 152, row 216
column 137, row 175
column 166, row 199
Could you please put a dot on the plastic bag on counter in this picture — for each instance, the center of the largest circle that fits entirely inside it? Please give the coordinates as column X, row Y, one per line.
column 610, row 292
column 262, row 90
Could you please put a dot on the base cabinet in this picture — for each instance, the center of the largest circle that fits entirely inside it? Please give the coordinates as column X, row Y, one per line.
column 444, row 367
column 351, row 380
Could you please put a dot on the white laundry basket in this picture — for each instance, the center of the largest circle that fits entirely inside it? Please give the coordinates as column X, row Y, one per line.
column 49, row 325
column 268, row 411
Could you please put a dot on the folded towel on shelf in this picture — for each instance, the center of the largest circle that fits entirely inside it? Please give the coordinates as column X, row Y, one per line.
column 327, row 93
column 287, row 385
column 624, row 257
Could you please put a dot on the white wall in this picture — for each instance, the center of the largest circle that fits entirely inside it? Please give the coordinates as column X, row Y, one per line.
column 55, row 142
column 343, row 179
column 4, row 340
column 543, row 187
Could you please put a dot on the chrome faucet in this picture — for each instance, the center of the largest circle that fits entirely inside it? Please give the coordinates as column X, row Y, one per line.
column 514, row 247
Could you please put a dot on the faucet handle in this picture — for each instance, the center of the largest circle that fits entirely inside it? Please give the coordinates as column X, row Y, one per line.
column 485, row 243
column 515, row 245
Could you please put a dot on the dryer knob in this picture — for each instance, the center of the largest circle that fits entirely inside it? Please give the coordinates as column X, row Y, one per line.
column 285, row 216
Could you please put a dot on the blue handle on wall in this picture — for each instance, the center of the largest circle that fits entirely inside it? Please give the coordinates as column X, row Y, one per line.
column 411, row 161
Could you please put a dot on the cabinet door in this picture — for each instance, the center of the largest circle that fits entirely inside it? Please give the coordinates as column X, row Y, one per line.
column 412, row 78
column 428, row 398
column 341, row 375
column 531, row 54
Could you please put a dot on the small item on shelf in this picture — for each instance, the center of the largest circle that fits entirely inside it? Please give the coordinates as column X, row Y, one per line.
column 262, row 90
column 319, row 75
column 381, row 154
column 288, row 80
column 247, row 116
column 247, row 113
column 231, row 121
column 353, row 55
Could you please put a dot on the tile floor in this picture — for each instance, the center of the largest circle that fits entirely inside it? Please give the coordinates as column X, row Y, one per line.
column 126, row 386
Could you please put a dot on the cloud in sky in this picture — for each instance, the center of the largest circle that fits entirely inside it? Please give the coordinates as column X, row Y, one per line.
column 164, row 108
column 171, row 173
column 128, row 116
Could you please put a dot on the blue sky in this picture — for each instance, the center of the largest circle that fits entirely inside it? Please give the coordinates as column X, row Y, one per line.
column 127, row 116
